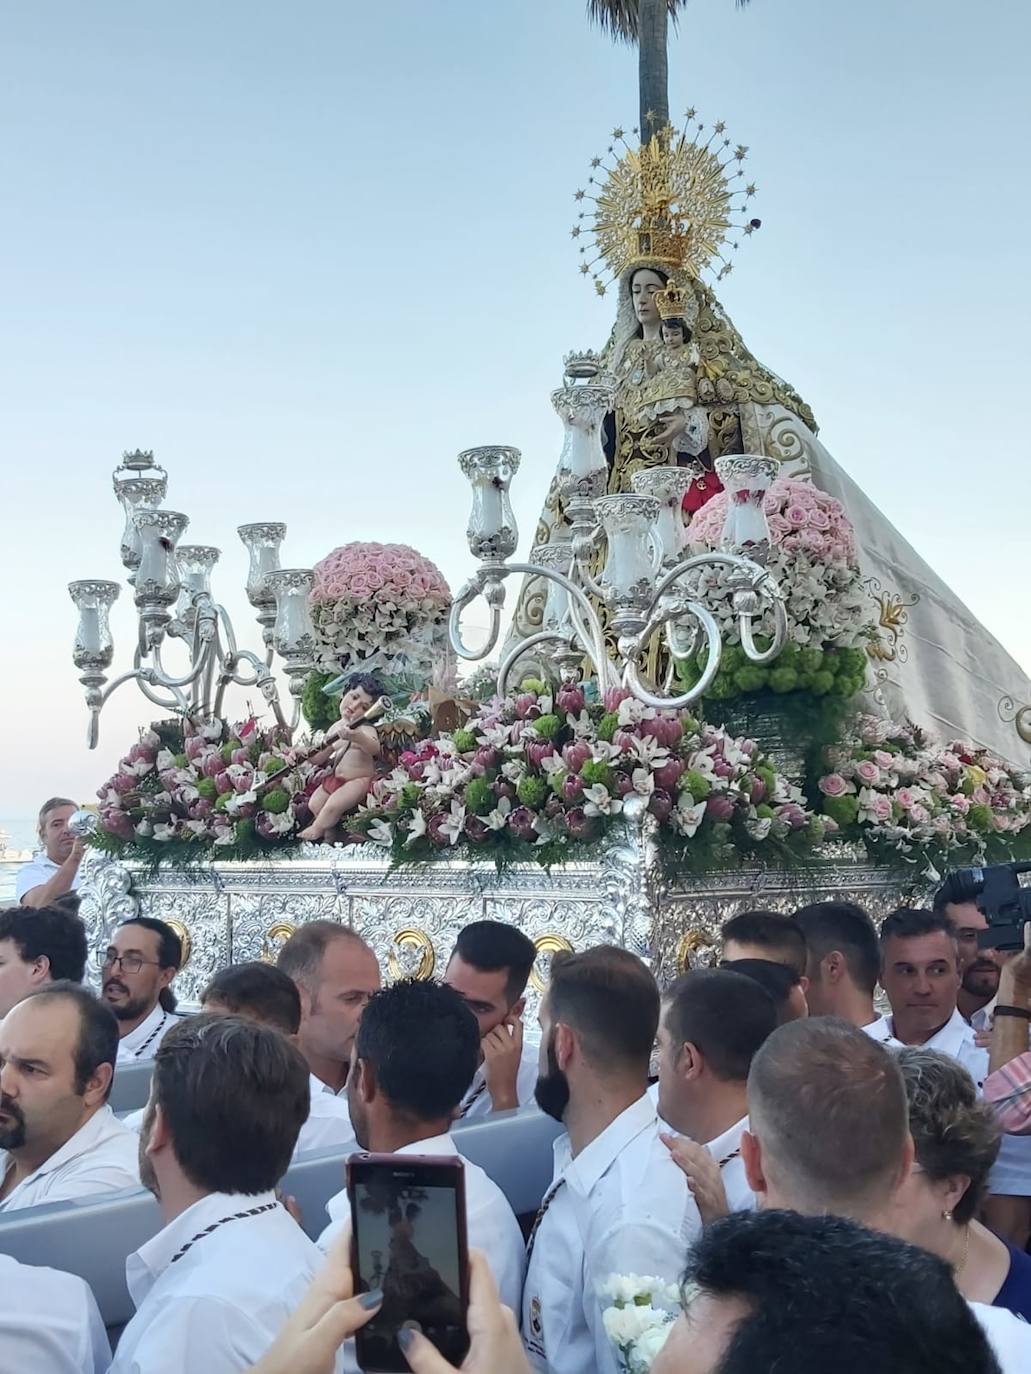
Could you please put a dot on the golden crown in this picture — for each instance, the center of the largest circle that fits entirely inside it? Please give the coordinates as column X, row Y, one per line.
column 672, row 302
column 677, row 202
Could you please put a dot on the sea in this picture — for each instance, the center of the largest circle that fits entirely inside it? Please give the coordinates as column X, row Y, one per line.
column 21, row 834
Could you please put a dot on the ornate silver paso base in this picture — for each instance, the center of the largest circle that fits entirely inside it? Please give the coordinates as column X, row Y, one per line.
column 231, row 912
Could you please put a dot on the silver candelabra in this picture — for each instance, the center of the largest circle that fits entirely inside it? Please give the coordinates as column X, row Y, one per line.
column 171, row 585
column 649, row 583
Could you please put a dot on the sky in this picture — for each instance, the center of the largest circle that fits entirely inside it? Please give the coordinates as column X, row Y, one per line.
column 308, row 252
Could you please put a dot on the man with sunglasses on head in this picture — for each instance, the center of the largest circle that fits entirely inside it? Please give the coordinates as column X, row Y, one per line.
column 136, row 972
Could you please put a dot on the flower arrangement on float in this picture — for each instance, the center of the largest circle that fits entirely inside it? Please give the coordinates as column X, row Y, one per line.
column 813, row 558
column 639, row 1317
column 536, row 775
column 375, row 599
column 185, row 793
column 901, row 794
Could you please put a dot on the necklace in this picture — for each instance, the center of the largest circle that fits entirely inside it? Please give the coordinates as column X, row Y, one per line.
column 957, row 1269
column 222, row 1221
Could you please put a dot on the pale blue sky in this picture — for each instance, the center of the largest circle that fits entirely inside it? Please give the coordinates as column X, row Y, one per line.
column 309, row 251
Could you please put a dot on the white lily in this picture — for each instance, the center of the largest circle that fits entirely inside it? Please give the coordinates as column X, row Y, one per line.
column 688, row 818
column 454, row 824
column 498, row 818
column 417, row 828
column 598, row 802
column 163, row 832
column 644, row 783
column 379, row 832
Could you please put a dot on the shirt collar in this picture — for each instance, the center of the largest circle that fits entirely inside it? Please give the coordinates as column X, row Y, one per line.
column 595, row 1159
column 950, row 1039
column 138, row 1036
column 145, row 1267
column 729, row 1141
column 433, row 1145
column 86, row 1139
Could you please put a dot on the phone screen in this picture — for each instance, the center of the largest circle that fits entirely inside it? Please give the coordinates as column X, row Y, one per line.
column 408, row 1237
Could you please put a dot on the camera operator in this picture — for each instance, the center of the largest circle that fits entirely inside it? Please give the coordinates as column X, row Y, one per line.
column 1008, row 1085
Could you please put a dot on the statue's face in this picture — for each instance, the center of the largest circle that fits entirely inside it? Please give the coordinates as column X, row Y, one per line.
column 643, row 289
column 673, row 335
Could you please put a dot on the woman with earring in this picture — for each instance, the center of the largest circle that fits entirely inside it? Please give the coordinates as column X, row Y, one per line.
column 956, row 1141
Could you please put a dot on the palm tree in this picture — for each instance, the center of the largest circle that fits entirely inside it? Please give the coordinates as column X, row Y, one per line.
column 646, row 23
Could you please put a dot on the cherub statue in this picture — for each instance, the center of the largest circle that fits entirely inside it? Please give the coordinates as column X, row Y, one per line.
column 354, row 766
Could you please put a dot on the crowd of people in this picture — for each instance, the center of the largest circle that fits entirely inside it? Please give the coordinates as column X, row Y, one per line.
column 831, row 1186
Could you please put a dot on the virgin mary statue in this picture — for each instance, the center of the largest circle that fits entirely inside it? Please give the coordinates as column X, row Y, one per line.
column 688, row 391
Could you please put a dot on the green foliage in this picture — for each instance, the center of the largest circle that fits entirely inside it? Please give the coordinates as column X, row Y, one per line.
column 276, row 801
column 320, row 711
column 479, row 796
column 607, row 726
column 547, row 727
column 532, row 792
column 594, row 773
column 465, row 741
column 844, row 810
column 207, row 789
column 696, row 783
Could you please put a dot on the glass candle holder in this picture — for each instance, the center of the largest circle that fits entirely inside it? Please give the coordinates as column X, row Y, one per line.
column 157, row 577
column 669, row 486
column 94, row 649
column 747, row 478
column 492, row 532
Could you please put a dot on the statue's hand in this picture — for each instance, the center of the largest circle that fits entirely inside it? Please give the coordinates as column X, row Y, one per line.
column 673, row 430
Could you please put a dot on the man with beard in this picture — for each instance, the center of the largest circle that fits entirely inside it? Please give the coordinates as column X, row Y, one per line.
column 62, row 1141
column 415, row 1053
column 137, row 970
column 956, row 900
column 617, row 1204
column 55, row 871
column 212, row 1289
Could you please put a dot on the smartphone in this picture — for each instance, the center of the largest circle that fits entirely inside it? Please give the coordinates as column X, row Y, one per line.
column 408, row 1237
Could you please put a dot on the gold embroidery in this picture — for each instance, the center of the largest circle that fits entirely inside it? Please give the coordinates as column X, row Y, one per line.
column 893, row 616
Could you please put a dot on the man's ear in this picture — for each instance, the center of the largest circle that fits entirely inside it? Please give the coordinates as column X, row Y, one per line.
column 517, row 1008
column 565, row 1045
column 364, row 1080
column 690, row 1062
column 40, row 970
column 97, row 1085
column 752, row 1158
column 165, row 976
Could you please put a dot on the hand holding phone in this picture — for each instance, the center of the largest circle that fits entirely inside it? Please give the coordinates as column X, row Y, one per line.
column 408, row 1239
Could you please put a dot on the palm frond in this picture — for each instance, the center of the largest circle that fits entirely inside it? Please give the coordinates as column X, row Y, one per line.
column 619, row 18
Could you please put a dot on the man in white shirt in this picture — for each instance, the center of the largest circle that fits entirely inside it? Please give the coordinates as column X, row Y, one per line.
column 617, row 1204
column 336, row 973
column 416, row 1048
column 137, row 971
column 49, row 1322
column 489, row 969
column 843, row 962
column 713, row 1022
column 38, row 946
column 774, row 1290
column 212, row 1289
column 267, row 995
column 62, row 1141
column 829, row 1133
column 55, row 870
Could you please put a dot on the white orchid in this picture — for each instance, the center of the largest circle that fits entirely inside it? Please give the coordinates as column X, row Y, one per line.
column 381, row 833
column 758, row 827
column 687, row 815
column 631, row 712
column 280, row 824
column 649, row 750
column 416, row 829
column 162, row 832
column 643, row 781
column 453, row 825
column 498, row 818
column 165, row 760
column 598, row 802
column 553, row 763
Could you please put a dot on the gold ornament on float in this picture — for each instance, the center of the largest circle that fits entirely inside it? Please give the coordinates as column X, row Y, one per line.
column 547, row 945
column 274, row 939
column 690, row 943
column 677, row 202
column 185, row 938
column 406, row 943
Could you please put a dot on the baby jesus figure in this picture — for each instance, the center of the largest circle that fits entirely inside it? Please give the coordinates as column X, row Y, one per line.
column 354, row 765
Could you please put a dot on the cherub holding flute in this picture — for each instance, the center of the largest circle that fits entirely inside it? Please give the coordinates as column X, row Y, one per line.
column 354, row 764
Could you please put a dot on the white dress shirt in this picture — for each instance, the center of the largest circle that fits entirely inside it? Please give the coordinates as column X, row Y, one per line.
column 620, row 1207
column 726, row 1151
column 49, row 1322
column 101, row 1157
column 477, row 1101
column 1008, row 1335
column 329, row 1121
column 214, row 1287
column 39, row 870
column 143, row 1042
column 490, row 1222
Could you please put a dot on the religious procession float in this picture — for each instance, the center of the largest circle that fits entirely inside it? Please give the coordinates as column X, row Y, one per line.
column 726, row 678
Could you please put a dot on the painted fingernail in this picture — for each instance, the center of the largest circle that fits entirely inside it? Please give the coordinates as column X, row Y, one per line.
column 405, row 1337
column 371, row 1299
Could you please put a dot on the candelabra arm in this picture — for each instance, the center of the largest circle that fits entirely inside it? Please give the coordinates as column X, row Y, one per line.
column 523, row 647
column 581, row 552
column 582, row 613
column 780, row 629
column 714, row 642
column 735, row 561
column 472, row 589
column 199, row 658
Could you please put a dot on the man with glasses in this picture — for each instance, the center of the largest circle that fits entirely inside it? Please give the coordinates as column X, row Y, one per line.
column 62, row 1141
column 137, row 970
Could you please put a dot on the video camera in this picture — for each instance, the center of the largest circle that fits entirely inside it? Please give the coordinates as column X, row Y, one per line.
column 1005, row 901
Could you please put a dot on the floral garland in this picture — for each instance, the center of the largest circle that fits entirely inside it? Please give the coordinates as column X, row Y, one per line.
column 535, row 776
column 379, row 602
column 813, row 557
column 904, row 796
column 184, row 793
